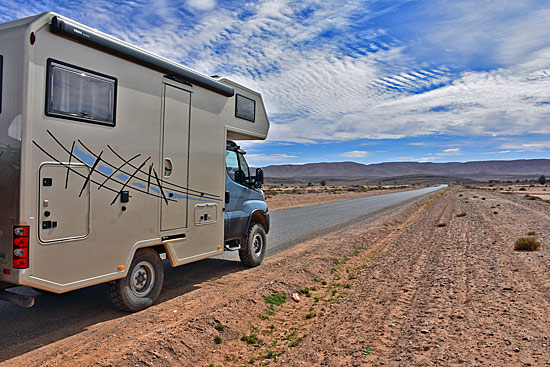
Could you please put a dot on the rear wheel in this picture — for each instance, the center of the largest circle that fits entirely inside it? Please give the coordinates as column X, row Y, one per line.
column 253, row 251
column 142, row 285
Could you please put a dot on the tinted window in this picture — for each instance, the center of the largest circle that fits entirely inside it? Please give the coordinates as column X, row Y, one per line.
column 80, row 94
column 245, row 108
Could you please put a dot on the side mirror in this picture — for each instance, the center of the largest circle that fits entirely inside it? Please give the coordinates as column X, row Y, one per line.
column 239, row 177
column 259, row 179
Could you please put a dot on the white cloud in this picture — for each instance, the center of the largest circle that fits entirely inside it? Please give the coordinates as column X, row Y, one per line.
column 268, row 157
column 450, row 151
column 201, row 4
column 501, row 152
column 527, row 147
column 426, row 159
column 355, row 154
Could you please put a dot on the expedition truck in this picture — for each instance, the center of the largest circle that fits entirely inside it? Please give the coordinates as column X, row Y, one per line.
column 112, row 158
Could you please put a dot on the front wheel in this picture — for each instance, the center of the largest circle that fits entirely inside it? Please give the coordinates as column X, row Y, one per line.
column 253, row 252
column 142, row 285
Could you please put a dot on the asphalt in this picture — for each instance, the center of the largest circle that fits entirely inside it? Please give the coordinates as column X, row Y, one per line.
column 54, row 317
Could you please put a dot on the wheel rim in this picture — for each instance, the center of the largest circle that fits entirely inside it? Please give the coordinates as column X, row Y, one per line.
column 143, row 279
column 257, row 244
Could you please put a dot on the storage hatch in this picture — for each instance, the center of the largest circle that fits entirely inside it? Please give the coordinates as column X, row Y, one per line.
column 64, row 205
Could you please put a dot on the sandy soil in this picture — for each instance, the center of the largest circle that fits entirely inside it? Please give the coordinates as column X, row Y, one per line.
column 285, row 201
column 401, row 291
column 541, row 191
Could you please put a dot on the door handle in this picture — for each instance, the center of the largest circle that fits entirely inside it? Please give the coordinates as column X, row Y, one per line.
column 168, row 167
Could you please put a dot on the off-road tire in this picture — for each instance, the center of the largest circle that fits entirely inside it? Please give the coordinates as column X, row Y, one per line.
column 252, row 251
column 128, row 294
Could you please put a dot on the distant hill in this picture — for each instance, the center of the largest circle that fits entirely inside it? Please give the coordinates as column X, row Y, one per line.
column 478, row 170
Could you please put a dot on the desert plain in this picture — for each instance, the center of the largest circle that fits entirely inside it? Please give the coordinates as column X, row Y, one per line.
column 435, row 283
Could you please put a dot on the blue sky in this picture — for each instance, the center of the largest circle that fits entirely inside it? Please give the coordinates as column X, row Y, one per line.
column 363, row 81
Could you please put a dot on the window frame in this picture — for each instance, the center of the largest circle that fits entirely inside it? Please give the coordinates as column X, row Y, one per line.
column 241, row 116
column 88, row 71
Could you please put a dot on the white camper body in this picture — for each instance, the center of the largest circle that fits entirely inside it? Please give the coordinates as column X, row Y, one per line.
column 106, row 149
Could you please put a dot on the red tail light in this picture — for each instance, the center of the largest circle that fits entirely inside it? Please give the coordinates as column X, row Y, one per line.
column 21, row 247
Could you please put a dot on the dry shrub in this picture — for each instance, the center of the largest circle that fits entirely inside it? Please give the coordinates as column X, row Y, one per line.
column 527, row 244
column 463, row 214
column 441, row 224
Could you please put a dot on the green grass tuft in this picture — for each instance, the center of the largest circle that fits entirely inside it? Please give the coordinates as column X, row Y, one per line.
column 275, row 299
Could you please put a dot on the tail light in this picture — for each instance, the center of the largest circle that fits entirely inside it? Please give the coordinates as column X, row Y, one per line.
column 21, row 247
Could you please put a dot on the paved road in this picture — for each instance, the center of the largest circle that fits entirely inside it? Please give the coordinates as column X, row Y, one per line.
column 296, row 225
column 55, row 317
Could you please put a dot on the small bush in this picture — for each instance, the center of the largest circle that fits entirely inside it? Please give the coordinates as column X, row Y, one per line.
column 531, row 233
column 442, row 224
column 522, row 189
column 251, row 339
column 463, row 214
column 218, row 339
column 305, row 291
column 275, row 299
column 220, row 327
column 527, row 244
column 296, row 342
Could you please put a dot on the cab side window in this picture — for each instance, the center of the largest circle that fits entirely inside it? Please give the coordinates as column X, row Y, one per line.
column 231, row 163
column 244, row 168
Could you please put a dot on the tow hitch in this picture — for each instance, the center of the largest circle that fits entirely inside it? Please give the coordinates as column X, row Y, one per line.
column 18, row 299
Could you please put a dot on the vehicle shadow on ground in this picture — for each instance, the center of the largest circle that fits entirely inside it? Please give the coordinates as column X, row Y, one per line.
column 58, row 316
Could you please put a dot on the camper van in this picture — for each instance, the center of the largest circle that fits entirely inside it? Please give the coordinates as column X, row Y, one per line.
column 113, row 158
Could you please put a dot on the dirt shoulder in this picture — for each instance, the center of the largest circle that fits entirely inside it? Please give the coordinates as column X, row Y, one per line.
column 401, row 291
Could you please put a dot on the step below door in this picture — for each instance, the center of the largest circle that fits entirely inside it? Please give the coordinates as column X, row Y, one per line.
column 175, row 157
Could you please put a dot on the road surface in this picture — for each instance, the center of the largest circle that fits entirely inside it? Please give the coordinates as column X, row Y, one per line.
column 55, row 317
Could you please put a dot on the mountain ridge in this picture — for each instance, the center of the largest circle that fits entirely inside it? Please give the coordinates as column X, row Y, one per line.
column 477, row 169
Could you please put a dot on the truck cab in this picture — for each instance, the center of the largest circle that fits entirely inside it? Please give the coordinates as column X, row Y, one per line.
column 246, row 216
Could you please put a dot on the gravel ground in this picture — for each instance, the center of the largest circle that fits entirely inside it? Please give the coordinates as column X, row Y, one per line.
column 400, row 291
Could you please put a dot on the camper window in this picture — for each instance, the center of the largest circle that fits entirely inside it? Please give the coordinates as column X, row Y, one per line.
column 245, row 108
column 79, row 94
column 1, row 72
